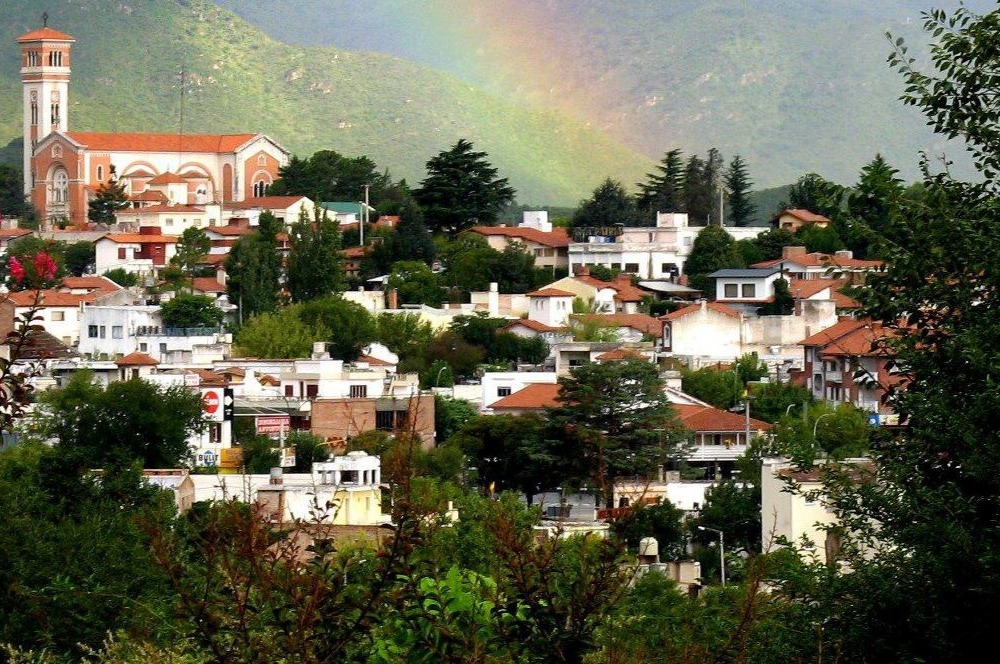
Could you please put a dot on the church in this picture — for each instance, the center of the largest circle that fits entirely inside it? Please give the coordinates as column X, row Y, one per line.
column 63, row 168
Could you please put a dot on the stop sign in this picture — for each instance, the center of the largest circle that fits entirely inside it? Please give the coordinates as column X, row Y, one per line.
column 210, row 400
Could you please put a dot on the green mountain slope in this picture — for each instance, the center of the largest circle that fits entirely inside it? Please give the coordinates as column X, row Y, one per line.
column 795, row 86
column 126, row 76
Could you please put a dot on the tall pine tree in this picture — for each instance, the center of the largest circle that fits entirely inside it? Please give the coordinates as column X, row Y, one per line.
column 663, row 190
column 314, row 263
column 737, row 181
column 412, row 240
column 254, row 269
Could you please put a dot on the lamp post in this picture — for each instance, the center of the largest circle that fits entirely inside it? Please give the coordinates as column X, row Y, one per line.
column 722, row 551
column 816, row 423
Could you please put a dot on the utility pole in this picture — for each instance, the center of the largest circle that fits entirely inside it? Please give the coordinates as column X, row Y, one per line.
column 364, row 216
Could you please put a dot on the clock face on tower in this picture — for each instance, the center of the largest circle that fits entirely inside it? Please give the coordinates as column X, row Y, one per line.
column 34, row 96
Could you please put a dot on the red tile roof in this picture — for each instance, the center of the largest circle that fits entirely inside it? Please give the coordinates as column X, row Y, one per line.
column 139, row 173
column 207, row 285
column 136, row 360
column 209, row 378
column 807, row 288
column 13, row 233
column 135, row 142
column 150, row 196
column 138, row 238
column 819, row 259
column 832, row 333
column 857, row 342
column 695, row 308
column 706, row 419
column 167, row 178
column 50, row 298
column 620, row 354
column 551, row 292
column 641, row 322
column 354, row 252
column 213, row 259
column 46, row 33
column 374, row 361
column 163, row 209
column 557, row 237
column 533, row 325
column 229, row 230
column 531, row 397
column 803, row 215
column 265, row 203
column 99, row 284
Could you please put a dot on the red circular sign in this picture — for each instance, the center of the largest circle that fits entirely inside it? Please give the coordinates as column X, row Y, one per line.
column 211, row 402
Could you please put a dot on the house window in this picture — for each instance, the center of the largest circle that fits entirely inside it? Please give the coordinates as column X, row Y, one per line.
column 67, row 341
column 116, row 331
column 731, row 290
column 58, row 315
column 259, row 189
column 100, row 173
column 102, row 332
column 34, row 112
column 312, row 391
column 503, row 391
column 121, row 253
column 289, row 390
column 632, row 268
column 383, row 420
column 749, row 290
column 169, row 221
column 163, row 349
column 33, row 59
column 817, row 380
column 359, row 391
column 143, row 347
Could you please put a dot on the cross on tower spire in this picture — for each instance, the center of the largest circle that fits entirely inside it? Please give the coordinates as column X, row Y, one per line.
column 45, row 19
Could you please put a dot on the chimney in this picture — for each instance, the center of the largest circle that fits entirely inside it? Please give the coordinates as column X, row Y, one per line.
column 392, row 298
column 793, row 252
column 276, row 478
column 319, row 351
column 149, row 230
column 493, row 300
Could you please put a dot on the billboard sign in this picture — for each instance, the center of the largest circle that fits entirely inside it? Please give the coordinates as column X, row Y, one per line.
column 274, row 426
column 211, row 403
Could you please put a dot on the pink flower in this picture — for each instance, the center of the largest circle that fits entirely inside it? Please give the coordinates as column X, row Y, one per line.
column 45, row 267
column 16, row 270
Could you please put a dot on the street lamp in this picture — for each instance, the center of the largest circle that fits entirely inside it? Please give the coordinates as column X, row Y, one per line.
column 722, row 551
column 349, row 563
column 816, row 423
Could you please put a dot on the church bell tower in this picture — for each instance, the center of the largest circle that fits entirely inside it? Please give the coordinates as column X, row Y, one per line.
column 45, row 62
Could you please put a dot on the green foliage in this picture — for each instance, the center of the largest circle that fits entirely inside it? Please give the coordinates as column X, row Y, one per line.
column 508, row 452
column 12, row 200
column 609, row 205
column 713, row 249
column 412, row 240
column 824, row 240
column 315, row 267
column 352, row 327
column 260, row 454
column 619, row 417
column 79, row 258
column 128, row 421
column 438, row 374
column 837, row 433
column 74, row 557
column 407, row 335
column 462, row 357
column 498, row 346
column 737, row 182
column 281, row 335
column 590, row 327
column 185, row 310
column 122, row 277
column 472, row 265
column 253, row 267
column 108, row 199
column 663, row 191
column 734, row 510
column 816, row 194
column 873, row 205
column 330, row 176
column 192, row 245
column 415, row 283
column 25, row 249
column 771, row 401
column 462, row 190
column 783, row 303
column 721, row 388
column 309, row 448
column 450, row 415
column 662, row 521
column 772, row 241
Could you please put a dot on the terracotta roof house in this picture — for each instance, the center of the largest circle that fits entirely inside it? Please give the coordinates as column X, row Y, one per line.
column 135, row 365
column 631, row 327
column 690, row 330
column 720, row 436
column 550, row 248
column 844, row 363
column 794, row 219
column 533, row 398
column 795, row 263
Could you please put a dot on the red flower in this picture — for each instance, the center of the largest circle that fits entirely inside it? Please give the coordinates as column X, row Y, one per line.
column 16, row 270
column 45, row 267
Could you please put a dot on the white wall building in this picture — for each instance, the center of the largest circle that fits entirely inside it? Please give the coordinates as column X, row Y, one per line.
column 496, row 385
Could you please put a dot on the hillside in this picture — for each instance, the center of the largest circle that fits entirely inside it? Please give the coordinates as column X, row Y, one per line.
column 126, row 76
column 794, row 86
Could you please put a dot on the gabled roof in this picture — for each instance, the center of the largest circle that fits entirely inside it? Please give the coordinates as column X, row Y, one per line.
column 803, row 215
column 695, row 308
column 150, row 196
column 744, row 273
column 832, row 333
column 167, row 178
column 857, row 342
column 807, row 288
column 620, row 354
column 45, row 34
column 162, row 209
column 533, row 325
column 266, row 203
column 229, row 231
column 209, row 378
column 819, row 259
column 531, row 397
column 136, row 142
column 207, row 285
column 213, row 259
column 99, row 284
column 13, row 233
column 707, row 419
column 50, row 298
column 641, row 322
column 374, row 361
column 41, row 345
column 354, row 252
column 138, row 238
column 557, row 237
column 139, row 173
column 551, row 292
column 136, row 359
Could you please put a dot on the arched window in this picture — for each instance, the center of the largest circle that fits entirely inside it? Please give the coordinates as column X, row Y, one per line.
column 60, row 187
column 34, row 112
column 260, row 189
column 100, row 174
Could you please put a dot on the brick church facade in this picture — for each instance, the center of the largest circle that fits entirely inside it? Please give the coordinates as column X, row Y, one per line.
column 63, row 168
